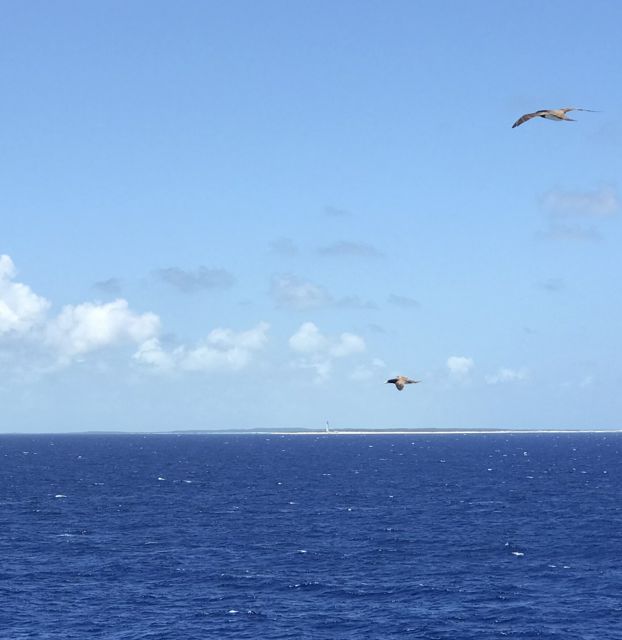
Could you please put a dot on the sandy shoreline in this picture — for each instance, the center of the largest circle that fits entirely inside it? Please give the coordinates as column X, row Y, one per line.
column 432, row 433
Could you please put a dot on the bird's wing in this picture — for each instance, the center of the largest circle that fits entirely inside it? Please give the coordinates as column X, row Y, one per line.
column 527, row 116
column 413, row 381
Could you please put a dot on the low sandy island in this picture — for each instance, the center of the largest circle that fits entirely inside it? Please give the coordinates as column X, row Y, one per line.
column 404, row 432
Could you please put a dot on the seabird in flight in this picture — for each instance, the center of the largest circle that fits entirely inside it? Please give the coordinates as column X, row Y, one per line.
column 549, row 114
column 401, row 381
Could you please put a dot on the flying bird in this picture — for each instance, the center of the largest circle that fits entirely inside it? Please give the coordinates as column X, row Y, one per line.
column 401, row 381
column 549, row 114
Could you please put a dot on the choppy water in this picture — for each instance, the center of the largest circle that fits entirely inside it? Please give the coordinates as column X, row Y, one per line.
column 183, row 537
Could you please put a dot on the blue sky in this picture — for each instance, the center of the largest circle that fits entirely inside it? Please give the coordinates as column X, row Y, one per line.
column 243, row 214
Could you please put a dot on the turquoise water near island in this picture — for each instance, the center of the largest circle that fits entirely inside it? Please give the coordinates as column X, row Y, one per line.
column 257, row 536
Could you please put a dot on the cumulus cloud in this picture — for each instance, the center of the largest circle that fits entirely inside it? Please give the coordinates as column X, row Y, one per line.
column 319, row 350
column 347, row 249
column 601, row 202
column 20, row 308
column 82, row 328
column 89, row 327
column 460, row 366
column 507, row 375
column 199, row 279
column 221, row 350
column 308, row 339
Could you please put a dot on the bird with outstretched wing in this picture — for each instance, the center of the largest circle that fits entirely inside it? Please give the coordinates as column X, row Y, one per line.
column 549, row 114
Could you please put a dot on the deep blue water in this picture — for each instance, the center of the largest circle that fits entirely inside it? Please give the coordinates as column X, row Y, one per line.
column 206, row 536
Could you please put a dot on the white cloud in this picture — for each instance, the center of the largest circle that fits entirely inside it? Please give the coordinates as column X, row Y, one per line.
column 290, row 291
column 460, row 365
column 347, row 344
column 223, row 349
column 86, row 327
column 151, row 354
column 20, row 308
column 76, row 330
column 320, row 350
column 507, row 375
column 308, row 339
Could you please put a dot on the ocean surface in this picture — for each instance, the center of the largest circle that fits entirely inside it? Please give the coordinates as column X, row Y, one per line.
column 331, row 537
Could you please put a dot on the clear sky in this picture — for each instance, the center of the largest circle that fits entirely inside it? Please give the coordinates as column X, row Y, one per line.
column 251, row 214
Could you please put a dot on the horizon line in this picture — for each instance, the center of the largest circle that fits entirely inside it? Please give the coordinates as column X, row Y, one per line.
column 317, row 432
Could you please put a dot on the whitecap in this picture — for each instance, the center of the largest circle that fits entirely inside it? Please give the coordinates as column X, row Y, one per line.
column 301, row 551
column 232, row 611
column 161, row 478
column 60, row 495
column 518, row 553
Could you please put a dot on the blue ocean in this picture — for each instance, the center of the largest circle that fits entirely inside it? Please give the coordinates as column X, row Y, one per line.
column 451, row 537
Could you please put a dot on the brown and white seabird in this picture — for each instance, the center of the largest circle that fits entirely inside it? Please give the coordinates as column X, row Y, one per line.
column 401, row 381
column 549, row 114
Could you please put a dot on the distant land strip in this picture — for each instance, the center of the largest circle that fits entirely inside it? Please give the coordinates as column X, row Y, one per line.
column 318, row 432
